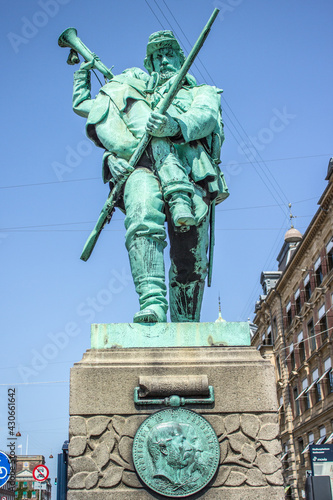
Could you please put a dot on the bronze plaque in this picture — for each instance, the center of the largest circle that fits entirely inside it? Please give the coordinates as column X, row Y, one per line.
column 176, row 452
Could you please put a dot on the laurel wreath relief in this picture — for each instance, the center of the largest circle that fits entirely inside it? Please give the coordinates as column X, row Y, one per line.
column 100, row 451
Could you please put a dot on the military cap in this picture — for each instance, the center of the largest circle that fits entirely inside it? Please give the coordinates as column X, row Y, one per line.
column 160, row 40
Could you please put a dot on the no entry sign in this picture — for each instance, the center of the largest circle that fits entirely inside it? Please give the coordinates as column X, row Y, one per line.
column 40, row 473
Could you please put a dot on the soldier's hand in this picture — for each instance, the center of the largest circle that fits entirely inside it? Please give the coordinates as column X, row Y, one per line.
column 87, row 65
column 162, row 126
column 119, row 168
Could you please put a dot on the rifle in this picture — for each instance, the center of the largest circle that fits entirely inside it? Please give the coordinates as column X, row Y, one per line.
column 109, row 205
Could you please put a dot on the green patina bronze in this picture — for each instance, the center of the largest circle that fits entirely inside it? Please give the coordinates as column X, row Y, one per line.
column 129, row 335
column 176, row 452
column 174, row 400
column 161, row 133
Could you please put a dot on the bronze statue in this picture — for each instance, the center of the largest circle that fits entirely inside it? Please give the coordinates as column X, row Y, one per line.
column 176, row 176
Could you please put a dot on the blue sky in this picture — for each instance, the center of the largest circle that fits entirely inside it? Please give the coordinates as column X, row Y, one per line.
column 274, row 62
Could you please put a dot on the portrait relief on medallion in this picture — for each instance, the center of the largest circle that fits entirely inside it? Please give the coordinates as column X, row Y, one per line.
column 177, row 456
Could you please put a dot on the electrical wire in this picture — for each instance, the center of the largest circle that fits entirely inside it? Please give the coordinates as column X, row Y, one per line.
column 296, row 344
column 27, row 229
column 273, row 191
column 50, row 182
column 99, row 178
column 36, row 383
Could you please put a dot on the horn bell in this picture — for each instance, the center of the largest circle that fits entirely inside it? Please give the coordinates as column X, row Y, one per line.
column 67, row 38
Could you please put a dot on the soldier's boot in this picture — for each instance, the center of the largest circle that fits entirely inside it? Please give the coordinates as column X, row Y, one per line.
column 180, row 206
column 147, row 266
column 185, row 301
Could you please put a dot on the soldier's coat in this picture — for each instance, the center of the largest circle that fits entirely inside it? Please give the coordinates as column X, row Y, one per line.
column 117, row 117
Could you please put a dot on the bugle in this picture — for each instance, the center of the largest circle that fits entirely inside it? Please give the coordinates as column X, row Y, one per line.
column 69, row 38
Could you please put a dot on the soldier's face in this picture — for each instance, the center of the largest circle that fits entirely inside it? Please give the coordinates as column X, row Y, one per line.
column 166, row 62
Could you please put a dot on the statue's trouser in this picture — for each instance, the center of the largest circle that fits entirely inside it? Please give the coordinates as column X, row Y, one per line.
column 176, row 187
column 188, row 271
column 172, row 174
column 145, row 242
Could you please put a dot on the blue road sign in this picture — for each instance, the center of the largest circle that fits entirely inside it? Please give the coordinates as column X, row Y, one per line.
column 4, row 468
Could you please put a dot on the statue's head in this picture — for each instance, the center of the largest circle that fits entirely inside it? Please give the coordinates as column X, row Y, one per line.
column 168, row 445
column 164, row 54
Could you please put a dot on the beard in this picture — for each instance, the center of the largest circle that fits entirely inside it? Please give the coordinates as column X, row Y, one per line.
column 177, row 459
column 166, row 75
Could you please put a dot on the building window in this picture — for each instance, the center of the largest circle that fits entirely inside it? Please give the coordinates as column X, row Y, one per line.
column 301, row 347
column 328, row 371
column 300, row 450
column 285, row 458
column 25, row 494
column 278, row 366
column 318, row 272
column 281, row 411
column 305, row 394
column 26, row 465
column 329, row 252
column 316, row 385
column 310, row 441
column 297, row 297
column 329, row 439
column 275, row 328
column 33, row 494
column 323, row 327
column 292, row 356
column 289, row 315
column 311, row 335
column 307, row 288
column 25, row 484
column 16, row 494
column 330, row 381
column 269, row 336
column 296, row 401
column 322, row 435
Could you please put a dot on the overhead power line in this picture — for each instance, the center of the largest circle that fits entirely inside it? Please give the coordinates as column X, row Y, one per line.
column 28, row 230
column 272, row 185
column 46, row 183
column 11, row 384
column 99, row 178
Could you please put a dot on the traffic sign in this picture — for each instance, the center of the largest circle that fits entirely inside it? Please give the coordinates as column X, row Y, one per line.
column 40, row 486
column 40, row 473
column 4, row 468
column 3, row 498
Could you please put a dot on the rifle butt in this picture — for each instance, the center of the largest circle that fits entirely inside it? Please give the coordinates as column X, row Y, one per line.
column 90, row 245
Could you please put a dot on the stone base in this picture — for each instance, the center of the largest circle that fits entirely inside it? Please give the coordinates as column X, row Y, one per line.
column 104, row 420
column 244, row 493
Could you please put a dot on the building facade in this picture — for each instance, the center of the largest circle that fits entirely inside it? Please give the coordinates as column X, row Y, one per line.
column 26, row 486
column 6, row 493
column 294, row 317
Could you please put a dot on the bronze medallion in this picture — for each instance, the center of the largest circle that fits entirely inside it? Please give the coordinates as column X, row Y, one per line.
column 176, row 452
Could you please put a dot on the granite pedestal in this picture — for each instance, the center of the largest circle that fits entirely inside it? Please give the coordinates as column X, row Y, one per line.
column 104, row 417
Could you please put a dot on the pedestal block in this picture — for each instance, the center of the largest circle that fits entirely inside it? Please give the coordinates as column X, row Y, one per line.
column 104, row 418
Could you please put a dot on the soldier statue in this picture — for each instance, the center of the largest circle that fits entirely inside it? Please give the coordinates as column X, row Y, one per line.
column 177, row 179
